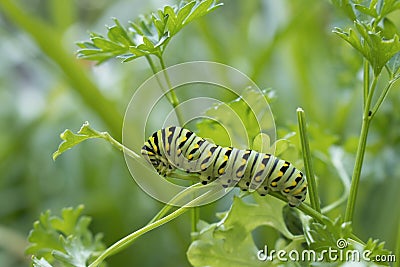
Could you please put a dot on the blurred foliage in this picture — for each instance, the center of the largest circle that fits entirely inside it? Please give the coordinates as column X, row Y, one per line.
column 230, row 242
column 64, row 240
column 284, row 45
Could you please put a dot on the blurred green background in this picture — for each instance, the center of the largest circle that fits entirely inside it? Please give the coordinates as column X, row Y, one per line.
column 284, row 45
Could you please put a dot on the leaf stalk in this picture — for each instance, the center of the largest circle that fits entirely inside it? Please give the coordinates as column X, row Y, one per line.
column 312, row 185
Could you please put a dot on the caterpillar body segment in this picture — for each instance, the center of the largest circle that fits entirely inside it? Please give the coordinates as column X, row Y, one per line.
column 174, row 148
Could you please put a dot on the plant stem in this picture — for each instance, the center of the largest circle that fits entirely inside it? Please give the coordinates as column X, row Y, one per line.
column 174, row 99
column 155, row 72
column 362, row 143
column 383, row 96
column 106, row 136
column 312, row 185
column 337, row 162
column 303, row 207
column 195, row 212
column 312, row 213
column 175, row 199
column 366, row 82
column 128, row 240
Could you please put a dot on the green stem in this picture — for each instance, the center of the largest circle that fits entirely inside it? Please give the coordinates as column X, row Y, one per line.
column 106, row 136
column 126, row 241
column 303, row 207
column 173, row 98
column 312, row 185
column 155, row 72
column 362, row 143
column 312, row 213
column 383, row 96
column 366, row 82
column 195, row 212
column 337, row 162
column 175, row 199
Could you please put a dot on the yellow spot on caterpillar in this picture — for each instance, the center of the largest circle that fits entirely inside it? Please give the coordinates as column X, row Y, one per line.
column 196, row 146
column 294, row 183
column 274, row 184
column 285, row 165
column 239, row 174
column 286, row 190
column 299, row 175
column 179, row 151
column 297, row 191
column 203, row 166
column 226, row 157
column 221, row 171
column 244, row 161
column 280, row 174
column 190, row 156
column 258, row 179
column 167, row 146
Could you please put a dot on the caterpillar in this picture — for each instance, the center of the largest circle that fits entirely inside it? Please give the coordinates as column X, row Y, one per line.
column 174, row 148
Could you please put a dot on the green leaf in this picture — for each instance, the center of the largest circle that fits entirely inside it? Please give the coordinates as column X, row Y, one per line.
column 66, row 239
column 245, row 117
column 394, row 64
column 389, row 29
column 370, row 11
column 200, row 9
column 40, row 263
column 376, row 9
column 148, row 34
column 184, row 12
column 324, row 236
column 159, row 21
column 148, row 43
column 292, row 220
column 262, row 143
column 118, row 35
column 388, row 7
column 229, row 242
column 377, row 249
column 127, row 58
column 106, row 45
column 377, row 49
column 77, row 253
column 346, row 6
column 71, row 139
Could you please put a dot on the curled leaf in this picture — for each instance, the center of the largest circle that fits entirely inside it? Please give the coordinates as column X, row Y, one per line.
column 71, row 139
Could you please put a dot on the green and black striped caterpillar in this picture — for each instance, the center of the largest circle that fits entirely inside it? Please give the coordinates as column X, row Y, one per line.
column 178, row 148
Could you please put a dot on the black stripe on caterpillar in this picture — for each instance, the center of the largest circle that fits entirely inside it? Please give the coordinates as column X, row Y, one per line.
column 178, row 148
